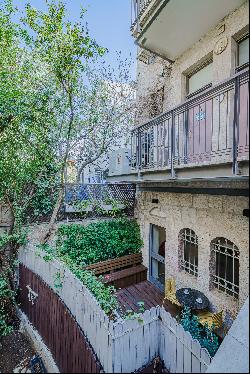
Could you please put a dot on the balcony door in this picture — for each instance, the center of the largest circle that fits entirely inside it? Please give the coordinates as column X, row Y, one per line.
column 157, row 256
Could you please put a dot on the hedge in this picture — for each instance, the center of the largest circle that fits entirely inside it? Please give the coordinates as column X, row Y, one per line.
column 99, row 241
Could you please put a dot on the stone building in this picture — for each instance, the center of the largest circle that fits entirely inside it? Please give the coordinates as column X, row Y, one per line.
column 190, row 146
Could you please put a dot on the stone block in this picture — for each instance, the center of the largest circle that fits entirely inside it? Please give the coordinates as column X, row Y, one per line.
column 216, row 203
column 200, row 201
column 235, row 204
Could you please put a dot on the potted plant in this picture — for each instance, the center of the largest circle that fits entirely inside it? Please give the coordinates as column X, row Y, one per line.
column 107, row 205
column 119, row 205
column 83, row 206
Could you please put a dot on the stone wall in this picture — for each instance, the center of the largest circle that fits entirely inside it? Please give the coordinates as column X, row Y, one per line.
column 209, row 217
column 233, row 354
column 172, row 77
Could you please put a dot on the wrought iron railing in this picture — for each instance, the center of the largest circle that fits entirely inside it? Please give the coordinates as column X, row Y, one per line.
column 97, row 200
column 210, row 128
column 137, row 8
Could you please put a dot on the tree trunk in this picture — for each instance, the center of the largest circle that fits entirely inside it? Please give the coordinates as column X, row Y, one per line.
column 53, row 217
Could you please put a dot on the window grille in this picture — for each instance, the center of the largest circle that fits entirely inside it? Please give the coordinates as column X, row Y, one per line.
column 189, row 249
column 225, row 276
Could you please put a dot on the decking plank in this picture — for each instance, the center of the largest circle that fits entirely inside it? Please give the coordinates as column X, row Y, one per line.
column 146, row 292
column 152, row 292
column 138, row 292
column 130, row 300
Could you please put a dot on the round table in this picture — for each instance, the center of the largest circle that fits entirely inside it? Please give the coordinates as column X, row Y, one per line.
column 188, row 297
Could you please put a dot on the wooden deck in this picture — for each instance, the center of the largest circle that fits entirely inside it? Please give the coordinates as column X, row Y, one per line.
column 146, row 292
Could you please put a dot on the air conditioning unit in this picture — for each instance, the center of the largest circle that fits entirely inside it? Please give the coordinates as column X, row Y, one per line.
column 120, row 162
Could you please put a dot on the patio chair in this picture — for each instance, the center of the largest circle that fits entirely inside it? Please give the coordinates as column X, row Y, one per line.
column 211, row 319
column 170, row 290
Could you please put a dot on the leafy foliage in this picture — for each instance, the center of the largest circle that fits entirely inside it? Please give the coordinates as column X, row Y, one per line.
column 103, row 294
column 99, row 241
column 5, row 295
column 206, row 337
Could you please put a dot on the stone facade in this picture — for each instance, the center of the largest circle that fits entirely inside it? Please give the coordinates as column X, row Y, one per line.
column 210, row 217
column 161, row 74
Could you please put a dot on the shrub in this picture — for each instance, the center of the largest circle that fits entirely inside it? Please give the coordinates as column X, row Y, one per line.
column 5, row 296
column 206, row 337
column 99, row 241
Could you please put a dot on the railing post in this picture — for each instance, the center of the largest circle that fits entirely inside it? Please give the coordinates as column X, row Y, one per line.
column 138, row 6
column 236, row 125
column 138, row 153
column 173, row 174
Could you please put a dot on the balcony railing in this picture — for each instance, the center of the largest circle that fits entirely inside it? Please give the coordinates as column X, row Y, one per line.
column 210, row 128
column 137, row 9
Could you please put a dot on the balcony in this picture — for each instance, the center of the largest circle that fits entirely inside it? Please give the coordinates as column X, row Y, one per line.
column 205, row 137
column 169, row 27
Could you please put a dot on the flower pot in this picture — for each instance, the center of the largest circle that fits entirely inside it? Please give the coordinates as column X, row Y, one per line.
column 107, row 207
column 74, row 209
column 120, row 206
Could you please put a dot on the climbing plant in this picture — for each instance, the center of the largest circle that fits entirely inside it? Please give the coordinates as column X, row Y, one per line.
column 105, row 295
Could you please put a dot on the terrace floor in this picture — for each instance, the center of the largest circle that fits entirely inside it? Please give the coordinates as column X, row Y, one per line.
column 151, row 296
column 146, row 292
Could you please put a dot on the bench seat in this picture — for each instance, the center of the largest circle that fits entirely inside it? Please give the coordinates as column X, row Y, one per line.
column 126, row 277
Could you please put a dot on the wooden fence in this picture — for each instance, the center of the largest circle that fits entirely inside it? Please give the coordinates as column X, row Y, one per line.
column 58, row 328
column 136, row 343
column 126, row 345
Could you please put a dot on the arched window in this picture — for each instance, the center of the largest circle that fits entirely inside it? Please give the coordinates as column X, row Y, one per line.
column 225, row 266
column 188, row 254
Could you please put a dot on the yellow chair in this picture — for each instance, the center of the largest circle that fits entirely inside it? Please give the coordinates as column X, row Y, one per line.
column 211, row 319
column 170, row 291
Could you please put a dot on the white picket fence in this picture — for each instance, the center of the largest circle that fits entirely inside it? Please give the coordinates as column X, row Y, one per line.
column 136, row 344
column 126, row 345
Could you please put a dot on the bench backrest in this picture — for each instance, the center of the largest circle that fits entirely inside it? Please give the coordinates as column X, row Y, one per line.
column 115, row 264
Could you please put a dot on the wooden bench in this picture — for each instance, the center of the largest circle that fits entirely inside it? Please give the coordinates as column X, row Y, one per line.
column 121, row 272
column 119, row 263
column 126, row 277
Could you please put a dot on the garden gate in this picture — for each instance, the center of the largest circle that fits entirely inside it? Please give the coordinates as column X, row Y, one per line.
column 54, row 322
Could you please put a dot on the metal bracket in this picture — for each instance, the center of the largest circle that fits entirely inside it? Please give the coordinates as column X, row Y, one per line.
column 32, row 296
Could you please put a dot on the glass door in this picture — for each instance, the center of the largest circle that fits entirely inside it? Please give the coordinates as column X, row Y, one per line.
column 157, row 256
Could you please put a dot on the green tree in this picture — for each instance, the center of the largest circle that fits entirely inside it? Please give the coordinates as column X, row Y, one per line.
column 28, row 167
column 65, row 48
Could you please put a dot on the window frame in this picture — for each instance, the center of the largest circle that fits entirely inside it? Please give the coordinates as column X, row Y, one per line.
column 246, row 64
column 219, row 283
column 192, row 73
column 189, row 267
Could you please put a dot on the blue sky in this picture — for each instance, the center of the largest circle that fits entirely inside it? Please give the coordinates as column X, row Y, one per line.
column 108, row 20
